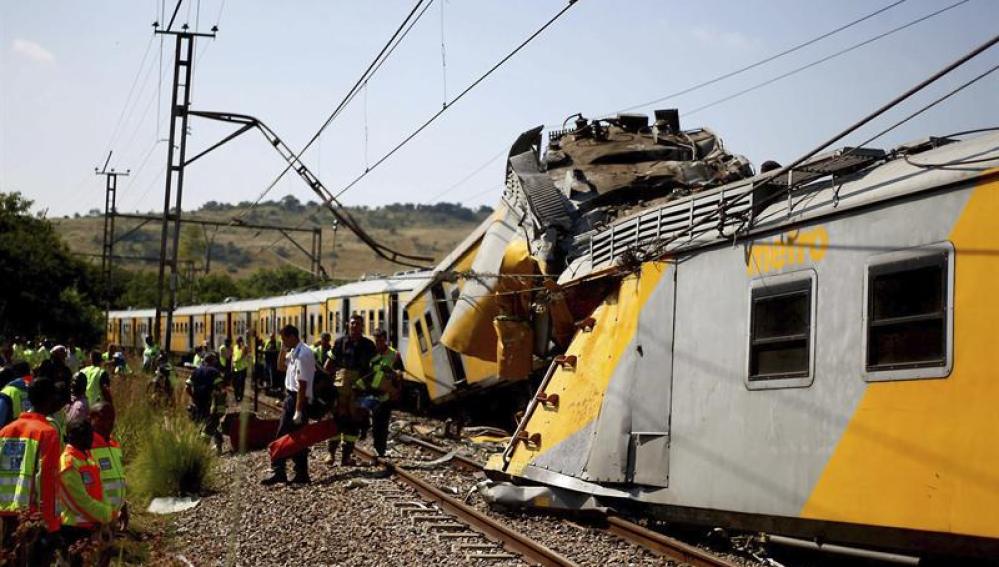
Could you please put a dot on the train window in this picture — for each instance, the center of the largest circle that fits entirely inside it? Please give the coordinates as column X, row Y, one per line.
column 430, row 328
column 312, row 323
column 405, row 323
column 371, row 322
column 781, row 314
column 908, row 317
column 381, row 318
column 422, row 340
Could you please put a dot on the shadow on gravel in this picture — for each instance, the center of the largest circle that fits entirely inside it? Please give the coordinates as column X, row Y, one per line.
column 356, row 472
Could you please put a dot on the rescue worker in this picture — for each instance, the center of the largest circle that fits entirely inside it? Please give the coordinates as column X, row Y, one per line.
column 352, row 354
column 77, row 357
column 29, row 466
column 271, row 350
column 83, row 510
column 150, row 354
column 14, row 395
column 160, row 387
column 107, row 454
column 199, row 352
column 324, row 354
column 17, row 350
column 300, row 369
column 206, row 389
column 379, row 387
column 225, row 358
column 240, row 364
column 98, row 383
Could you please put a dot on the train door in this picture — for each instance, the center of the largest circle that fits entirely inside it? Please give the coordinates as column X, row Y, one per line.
column 344, row 315
column 441, row 310
column 314, row 316
column 393, row 320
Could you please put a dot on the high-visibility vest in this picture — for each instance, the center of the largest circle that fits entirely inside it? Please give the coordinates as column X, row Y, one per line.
column 320, row 356
column 81, row 494
column 58, row 422
column 18, row 397
column 381, row 365
column 18, row 350
column 29, row 465
column 224, row 355
column 239, row 359
column 93, row 375
column 107, row 455
column 197, row 360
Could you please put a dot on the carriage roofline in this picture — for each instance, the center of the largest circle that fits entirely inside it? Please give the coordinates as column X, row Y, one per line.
column 392, row 284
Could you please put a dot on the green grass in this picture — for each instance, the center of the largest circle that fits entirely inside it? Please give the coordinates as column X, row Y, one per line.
column 164, row 452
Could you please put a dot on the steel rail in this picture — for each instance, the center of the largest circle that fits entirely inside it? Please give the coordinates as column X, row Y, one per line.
column 460, row 461
column 510, row 539
column 631, row 532
column 662, row 544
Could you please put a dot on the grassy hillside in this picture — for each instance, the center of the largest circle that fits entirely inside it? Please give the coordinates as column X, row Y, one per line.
column 428, row 230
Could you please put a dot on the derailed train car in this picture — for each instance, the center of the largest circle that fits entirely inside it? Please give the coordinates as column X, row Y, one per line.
column 484, row 322
column 812, row 356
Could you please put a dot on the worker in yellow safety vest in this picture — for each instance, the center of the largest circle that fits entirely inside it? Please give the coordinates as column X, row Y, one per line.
column 98, row 382
column 107, row 454
column 150, row 354
column 29, row 467
column 241, row 357
column 380, row 387
column 14, row 395
column 81, row 495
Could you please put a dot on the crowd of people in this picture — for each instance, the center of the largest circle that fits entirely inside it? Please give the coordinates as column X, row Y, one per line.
column 353, row 380
column 61, row 469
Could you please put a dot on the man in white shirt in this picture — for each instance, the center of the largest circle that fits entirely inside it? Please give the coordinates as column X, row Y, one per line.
column 299, row 365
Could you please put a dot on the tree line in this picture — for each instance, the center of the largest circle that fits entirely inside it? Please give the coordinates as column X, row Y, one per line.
column 46, row 290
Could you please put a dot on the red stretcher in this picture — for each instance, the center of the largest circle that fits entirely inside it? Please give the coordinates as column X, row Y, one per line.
column 301, row 439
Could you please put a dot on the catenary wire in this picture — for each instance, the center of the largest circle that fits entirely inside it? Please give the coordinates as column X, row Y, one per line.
column 763, row 61
column 822, row 60
column 448, row 105
column 365, row 76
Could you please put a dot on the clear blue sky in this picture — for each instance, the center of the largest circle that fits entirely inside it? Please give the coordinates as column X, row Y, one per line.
column 66, row 69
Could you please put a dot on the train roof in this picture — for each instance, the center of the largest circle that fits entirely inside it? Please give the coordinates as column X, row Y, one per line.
column 868, row 177
column 396, row 283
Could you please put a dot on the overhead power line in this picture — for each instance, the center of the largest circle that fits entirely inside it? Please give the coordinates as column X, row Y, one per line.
column 710, row 219
column 376, row 63
column 763, row 61
column 444, row 109
column 448, row 105
column 839, row 53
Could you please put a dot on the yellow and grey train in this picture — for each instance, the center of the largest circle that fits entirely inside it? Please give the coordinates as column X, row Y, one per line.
column 814, row 356
column 379, row 301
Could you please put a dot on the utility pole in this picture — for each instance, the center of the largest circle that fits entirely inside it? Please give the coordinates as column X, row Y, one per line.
column 180, row 103
column 107, row 250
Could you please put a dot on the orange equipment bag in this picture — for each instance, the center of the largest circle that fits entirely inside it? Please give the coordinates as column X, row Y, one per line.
column 301, row 439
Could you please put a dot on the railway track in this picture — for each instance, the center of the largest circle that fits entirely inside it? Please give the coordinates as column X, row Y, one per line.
column 660, row 544
column 449, row 513
column 451, row 508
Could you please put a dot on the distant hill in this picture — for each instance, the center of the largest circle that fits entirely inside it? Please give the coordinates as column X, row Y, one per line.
column 428, row 230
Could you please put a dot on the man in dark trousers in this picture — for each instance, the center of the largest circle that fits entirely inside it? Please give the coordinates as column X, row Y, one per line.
column 380, row 388
column 352, row 354
column 300, row 369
